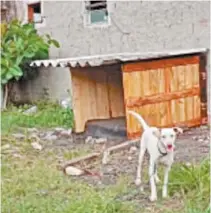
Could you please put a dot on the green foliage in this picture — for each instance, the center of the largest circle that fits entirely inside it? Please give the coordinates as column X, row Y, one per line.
column 20, row 44
column 193, row 183
column 48, row 115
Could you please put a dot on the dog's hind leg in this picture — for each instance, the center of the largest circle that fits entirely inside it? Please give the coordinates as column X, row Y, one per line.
column 139, row 168
column 157, row 180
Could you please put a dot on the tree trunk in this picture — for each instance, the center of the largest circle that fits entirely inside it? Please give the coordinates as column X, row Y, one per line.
column 5, row 96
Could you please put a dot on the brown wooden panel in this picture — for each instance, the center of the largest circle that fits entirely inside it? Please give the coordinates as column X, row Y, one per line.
column 189, row 123
column 115, row 92
column 138, row 102
column 156, row 64
column 90, row 96
column 166, row 94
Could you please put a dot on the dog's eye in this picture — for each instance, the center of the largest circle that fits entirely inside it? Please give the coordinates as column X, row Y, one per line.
column 171, row 136
column 163, row 136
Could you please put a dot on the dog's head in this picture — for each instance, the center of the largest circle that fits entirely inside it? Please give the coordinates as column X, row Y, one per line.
column 168, row 136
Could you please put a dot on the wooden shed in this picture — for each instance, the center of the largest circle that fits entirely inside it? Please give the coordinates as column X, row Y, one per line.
column 167, row 89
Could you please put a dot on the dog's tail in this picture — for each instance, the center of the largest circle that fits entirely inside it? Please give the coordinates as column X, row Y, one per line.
column 140, row 119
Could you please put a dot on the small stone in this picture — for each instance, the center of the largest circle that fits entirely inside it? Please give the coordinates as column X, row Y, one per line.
column 73, row 171
column 101, row 140
column 50, row 137
column 32, row 130
column 59, row 129
column 31, row 110
column 188, row 164
column 133, row 149
column 18, row 136
column 66, row 133
column 207, row 141
column 130, row 158
column 6, row 146
column 16, row 155
column 194, row 137
column 66, row 103
column 200, row 140
column 36, row 146
column 89, row 139
column 34, row 137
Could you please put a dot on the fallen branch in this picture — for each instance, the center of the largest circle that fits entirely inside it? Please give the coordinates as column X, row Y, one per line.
column 79, row 159
column 121, row 146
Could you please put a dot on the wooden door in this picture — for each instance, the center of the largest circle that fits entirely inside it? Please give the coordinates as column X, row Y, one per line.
column 166, row 92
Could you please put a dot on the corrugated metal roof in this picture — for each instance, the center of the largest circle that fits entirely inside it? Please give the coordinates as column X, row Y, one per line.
column 97, row 60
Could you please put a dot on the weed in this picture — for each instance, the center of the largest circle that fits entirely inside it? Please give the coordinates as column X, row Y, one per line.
column 48, row 115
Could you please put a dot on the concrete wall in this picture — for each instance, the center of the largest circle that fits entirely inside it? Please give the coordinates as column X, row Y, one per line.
column 135, row 26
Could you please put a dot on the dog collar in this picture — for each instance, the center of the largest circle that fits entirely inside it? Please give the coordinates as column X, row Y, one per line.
column 162, row 153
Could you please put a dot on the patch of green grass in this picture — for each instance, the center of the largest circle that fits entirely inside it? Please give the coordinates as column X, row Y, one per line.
column 48, row 115
column 193, row 184
column 34, row 187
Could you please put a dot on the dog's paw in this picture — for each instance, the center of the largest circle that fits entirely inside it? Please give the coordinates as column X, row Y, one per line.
column 153, row 198
column 138, row 182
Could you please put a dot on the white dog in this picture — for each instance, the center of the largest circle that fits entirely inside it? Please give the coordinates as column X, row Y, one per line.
column 160, row 145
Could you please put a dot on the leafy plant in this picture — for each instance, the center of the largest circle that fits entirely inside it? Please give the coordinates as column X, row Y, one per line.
column 20, row 44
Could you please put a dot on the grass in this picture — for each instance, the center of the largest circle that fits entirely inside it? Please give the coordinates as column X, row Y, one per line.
column 193, row 184
column 48, row 116
column 33, row 184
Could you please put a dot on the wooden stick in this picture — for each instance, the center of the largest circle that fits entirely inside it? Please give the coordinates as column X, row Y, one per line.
column 79, row 159
column 121, row 146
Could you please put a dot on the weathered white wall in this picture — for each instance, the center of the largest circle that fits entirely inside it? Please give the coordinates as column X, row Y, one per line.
column 135, row 26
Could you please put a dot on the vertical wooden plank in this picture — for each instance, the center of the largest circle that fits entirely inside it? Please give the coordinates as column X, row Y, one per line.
column 115, row 90
column 189, row 101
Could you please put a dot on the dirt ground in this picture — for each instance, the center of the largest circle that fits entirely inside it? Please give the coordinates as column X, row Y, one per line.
column 191, row 147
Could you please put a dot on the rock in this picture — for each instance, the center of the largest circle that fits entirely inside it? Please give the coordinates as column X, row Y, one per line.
column 130, row 158
column 31, row 110
column 194, row 137
column 36, row 146
column 66, row 103
column 32, row 130
column 34, row 137
column 6, row 146
column 101, row 140
column 59, row 129
column 73, row 171
column 207, row 141
column 89, row 139
column 188, row 164
column 50, row 137
column 18, row 136
column 133, row 149
column 16, row 155
column 66, row 133
column 200, row 140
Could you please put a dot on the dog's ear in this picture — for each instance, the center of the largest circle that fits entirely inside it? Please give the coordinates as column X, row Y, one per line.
column 178, row 130
column 156, row 132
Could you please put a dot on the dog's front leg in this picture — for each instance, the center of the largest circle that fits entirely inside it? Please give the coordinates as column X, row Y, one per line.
column 165, row 182
column 153, row 196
